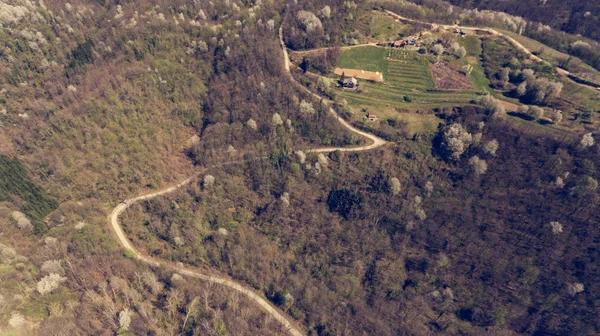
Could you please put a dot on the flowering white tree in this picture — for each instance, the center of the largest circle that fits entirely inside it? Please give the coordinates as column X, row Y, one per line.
column 325, row 12
column 429, row 187
column 587, row 140
column 491, row 147
column 306, row 107
column 301, row 156
column 395, row 186
column 478, row 165
column 559, row 182
column 574, row 288
column 52, row 266
column 209, row 181
column 556, row 227
column 309, row 20
column 492, row 106
column 456, row 140
column 252, row 124
column 420, row 214
column 556, row 116
column 125, row 319
column 277, row 119
column 285, row 199
column 323, row 160
column 49, row 283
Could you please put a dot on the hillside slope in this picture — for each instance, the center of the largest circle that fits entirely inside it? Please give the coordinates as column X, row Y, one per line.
column 571, row 16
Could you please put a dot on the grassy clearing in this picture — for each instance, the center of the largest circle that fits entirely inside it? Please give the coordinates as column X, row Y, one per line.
column 408, row 84
column 477, row 77
column 420, row 123
column 369, row 58
column 383, row 28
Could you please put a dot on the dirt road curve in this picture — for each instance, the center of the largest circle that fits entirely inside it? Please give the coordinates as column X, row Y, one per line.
column 375, row 140
column 511, row 40
column 251, row 294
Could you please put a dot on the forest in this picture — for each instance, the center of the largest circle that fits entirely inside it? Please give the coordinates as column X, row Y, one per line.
column 574, row 17
column 485, row 225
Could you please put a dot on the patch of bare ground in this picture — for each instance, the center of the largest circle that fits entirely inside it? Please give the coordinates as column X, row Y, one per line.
column 446, row 78
column 361, row 74
column 508, row 106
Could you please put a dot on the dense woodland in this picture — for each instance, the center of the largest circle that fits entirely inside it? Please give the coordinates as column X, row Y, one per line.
column 480, row 227
column 449, row 249
column 574, row 17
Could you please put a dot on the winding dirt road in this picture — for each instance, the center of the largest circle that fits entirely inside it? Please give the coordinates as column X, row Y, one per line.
column 375, row 142
column 251, row 294
column 564, row 73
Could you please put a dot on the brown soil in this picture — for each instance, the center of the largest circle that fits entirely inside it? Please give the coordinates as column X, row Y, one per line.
column 472, row 60
column 446, row 78
column 508, row 106
column 361, row 74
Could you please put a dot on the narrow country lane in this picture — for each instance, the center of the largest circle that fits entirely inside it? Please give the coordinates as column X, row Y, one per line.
column 494, row 32
column 251, row 294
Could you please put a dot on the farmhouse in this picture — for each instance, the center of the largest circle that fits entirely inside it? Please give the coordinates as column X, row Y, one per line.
column 350, row 83
column 407, row 43
column 372, row 117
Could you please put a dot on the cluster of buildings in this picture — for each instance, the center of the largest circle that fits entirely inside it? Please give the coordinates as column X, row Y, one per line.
column 409, row 43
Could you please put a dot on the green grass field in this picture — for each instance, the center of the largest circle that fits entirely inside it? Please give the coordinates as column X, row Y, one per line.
column 369, row 58
column 477, row 77
column 383, row 28
column 408, row 82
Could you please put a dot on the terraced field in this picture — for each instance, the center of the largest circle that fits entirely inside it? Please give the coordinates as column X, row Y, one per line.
column 408, row 84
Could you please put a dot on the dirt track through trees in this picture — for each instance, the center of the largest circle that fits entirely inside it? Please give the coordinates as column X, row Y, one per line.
column 222, row 280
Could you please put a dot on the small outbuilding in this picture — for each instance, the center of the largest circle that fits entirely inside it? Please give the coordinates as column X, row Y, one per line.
column 372, row 117
column 350, row 83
